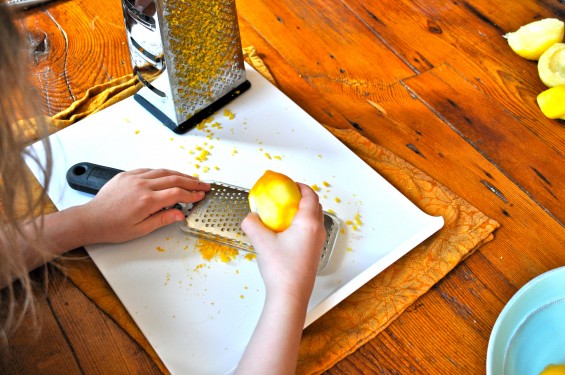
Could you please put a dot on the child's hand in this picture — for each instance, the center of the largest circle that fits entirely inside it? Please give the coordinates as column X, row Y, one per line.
column 130, row 204
column 288, row 260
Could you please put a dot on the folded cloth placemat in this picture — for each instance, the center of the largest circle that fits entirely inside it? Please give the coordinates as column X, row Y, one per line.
column 370, row 309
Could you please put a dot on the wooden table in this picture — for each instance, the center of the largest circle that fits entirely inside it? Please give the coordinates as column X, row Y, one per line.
column 433, row 81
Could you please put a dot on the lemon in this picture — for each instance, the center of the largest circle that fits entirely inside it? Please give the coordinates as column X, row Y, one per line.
column 532, row 40
column 551, row 65
column 552, row 102
column 275, row 198
column 553, row 370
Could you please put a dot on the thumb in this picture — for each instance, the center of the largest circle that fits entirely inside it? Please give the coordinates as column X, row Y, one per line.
column 161, row 219
column 257, row 232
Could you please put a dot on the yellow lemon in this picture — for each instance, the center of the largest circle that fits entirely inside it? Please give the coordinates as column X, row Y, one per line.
column 552, row 102
column 551, row 65
column 533, row 39
column 275, row 198
column 553, row 370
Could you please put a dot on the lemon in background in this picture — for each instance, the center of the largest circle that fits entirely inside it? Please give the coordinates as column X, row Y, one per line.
column 275, row 198
column 553, row 370
column 551, row 66
column 552, row 102
column 532, row 40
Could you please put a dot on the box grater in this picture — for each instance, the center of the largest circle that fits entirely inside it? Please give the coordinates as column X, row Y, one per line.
column 187, row 55
column 218, row 218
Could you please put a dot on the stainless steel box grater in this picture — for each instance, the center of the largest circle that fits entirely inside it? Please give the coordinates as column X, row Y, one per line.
column 187, row 55
column 219, row 215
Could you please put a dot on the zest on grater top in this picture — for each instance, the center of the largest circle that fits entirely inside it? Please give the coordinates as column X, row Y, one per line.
column 188, row 57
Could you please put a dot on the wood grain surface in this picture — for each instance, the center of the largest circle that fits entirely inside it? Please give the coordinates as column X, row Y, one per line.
column 433, row 81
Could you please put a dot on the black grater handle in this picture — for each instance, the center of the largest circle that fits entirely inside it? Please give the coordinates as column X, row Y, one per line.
column 89, row 177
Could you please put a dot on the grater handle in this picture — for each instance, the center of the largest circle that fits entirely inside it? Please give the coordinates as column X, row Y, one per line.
column 89, row 177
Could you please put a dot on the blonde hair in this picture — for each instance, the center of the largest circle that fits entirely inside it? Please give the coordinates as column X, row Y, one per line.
column 19, row 200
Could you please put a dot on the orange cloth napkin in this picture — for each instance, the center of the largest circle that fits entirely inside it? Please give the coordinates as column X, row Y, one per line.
column 369, row 310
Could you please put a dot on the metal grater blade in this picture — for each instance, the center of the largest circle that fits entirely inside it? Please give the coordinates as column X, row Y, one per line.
column 218, row 218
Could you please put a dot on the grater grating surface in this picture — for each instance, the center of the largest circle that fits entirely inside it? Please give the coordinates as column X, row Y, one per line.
column 202, row 46
column 187, row 55
column 218, row 218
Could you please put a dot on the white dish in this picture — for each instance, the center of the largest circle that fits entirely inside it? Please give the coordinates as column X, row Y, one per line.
column 198, row 315
column 529, row 333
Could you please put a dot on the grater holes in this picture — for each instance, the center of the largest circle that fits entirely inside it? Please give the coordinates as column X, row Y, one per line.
column 222, row 210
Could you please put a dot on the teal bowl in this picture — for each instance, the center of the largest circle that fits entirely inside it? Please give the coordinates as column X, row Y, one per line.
column 529, row 333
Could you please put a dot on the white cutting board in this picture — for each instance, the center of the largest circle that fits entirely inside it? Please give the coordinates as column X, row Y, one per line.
column 199, row 315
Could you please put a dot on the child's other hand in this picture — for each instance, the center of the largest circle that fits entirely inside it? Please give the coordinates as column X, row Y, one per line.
column 130, row 204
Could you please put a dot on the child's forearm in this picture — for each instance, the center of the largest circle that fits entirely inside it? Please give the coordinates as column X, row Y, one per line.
column 60, row 232
column 280, row 326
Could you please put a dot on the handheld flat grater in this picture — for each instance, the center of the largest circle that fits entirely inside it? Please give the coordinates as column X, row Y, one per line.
column 188, row 57
column 218, row 218
column 215, row 218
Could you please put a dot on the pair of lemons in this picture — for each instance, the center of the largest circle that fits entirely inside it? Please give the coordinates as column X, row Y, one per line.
column 543, row 41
